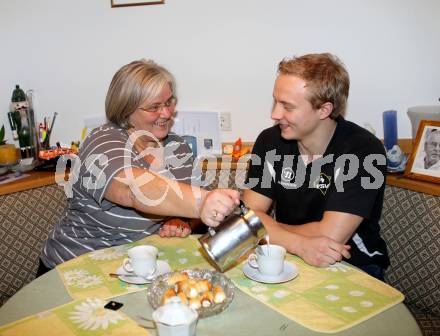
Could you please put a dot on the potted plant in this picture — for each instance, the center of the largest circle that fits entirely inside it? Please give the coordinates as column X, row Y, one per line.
column 8, row 152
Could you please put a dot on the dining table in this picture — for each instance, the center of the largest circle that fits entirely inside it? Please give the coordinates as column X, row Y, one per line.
column 338, row 300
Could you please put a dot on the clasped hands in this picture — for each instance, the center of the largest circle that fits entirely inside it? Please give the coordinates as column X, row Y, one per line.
column 322, row 251
column 175, row 227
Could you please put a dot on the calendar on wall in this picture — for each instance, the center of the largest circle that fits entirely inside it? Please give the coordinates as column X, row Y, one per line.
column 204, row 126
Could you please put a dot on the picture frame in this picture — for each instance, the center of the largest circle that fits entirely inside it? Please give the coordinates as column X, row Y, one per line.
column 424, row 162
column 129, row 3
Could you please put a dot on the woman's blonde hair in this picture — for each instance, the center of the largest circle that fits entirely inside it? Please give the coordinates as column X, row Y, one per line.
column 133, row 84
column 326, row 78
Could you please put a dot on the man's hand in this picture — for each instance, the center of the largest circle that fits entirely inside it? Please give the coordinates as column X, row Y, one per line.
column 321, row 251
column 175, row 227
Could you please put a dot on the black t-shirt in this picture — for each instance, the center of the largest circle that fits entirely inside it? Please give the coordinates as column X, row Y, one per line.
column 350, row 178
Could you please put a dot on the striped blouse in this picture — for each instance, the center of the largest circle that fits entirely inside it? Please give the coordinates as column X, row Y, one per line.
column 92, row 222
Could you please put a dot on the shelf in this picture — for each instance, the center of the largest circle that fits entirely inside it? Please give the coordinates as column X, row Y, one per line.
column 35, row 179
column 225, row 162
column 398, row 180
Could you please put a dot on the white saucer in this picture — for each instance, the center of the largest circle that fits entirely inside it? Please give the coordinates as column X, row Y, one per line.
column 290, row 272
column 161, row 268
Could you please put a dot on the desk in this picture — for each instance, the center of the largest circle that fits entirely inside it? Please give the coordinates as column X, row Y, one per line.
column 245, row 315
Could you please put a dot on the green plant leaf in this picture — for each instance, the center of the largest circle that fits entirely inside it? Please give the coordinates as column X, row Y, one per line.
column 2, row 135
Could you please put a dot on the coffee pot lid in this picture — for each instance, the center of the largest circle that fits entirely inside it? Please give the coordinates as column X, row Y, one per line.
column 174, row 313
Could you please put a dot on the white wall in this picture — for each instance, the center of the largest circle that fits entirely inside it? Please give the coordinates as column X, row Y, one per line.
column 223, row 54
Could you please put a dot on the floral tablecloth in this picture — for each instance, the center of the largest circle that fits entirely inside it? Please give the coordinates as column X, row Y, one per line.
column 88, row 275
column 322, row 299
column 77, row 318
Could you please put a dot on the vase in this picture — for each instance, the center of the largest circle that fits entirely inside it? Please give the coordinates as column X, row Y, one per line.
column 9, row 155
column 423, row 112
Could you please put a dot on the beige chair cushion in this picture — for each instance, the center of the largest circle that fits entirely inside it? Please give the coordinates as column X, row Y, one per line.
column 25, row 221
column 410, row 225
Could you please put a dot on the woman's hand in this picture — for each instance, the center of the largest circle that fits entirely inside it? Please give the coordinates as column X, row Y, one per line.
column 175, row 227
column 217, row 205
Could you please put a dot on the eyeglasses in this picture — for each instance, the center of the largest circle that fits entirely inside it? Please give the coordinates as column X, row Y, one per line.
column 169, row 104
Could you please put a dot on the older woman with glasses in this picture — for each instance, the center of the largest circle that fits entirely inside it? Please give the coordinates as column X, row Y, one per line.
column 133, row 173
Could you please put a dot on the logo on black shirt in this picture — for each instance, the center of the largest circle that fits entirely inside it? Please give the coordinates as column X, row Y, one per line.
column 287, row 174
column 322, row 183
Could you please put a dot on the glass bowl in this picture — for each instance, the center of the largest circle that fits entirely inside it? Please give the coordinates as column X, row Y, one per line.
column 160, row 284
column 3, row 169
column 23, row 167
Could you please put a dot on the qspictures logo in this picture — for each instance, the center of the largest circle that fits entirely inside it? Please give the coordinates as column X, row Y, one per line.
column 346, row 167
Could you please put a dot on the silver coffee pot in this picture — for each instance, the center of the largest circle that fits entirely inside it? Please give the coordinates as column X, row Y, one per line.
column 233, row 238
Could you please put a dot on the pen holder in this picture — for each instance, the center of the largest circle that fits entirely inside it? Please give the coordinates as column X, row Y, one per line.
column 45, row 133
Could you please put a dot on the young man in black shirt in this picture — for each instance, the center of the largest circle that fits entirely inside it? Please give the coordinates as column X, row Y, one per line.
column 325, row 175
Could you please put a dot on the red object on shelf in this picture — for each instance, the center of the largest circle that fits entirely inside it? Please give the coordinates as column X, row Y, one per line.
column 236, row 151
column 54, row 153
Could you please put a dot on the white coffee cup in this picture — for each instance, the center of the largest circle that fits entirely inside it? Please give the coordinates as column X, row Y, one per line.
column 142, row 260
column 268, row 259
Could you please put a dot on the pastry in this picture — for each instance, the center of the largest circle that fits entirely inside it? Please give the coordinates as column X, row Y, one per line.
column 195, row 303
column 182, row 286
column 169, row 293
column 176, row 277
column 207, row 299
column 197, row 293
column 191, row 291
column 183, row 297
column 203, row 286
column 219, row 294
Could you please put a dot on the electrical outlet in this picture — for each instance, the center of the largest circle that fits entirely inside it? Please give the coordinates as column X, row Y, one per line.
column 225, row 121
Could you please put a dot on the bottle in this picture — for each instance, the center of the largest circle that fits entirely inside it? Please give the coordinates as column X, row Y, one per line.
column 34, row 143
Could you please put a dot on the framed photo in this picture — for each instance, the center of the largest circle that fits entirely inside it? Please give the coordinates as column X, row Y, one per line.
column 127, row 3
column 424, row 163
